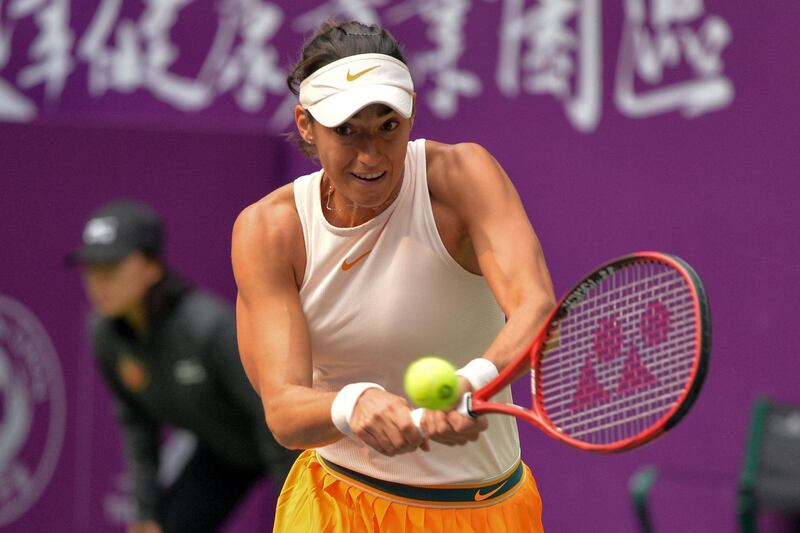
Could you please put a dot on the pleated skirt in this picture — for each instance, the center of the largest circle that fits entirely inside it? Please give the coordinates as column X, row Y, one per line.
column 317, row 498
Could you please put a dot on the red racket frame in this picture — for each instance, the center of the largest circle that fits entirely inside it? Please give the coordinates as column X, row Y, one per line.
column 479, row 401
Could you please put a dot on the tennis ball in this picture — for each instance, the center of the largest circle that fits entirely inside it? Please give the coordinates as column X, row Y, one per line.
column 431, row 382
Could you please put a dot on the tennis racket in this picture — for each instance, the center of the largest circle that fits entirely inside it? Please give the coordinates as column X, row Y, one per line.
column 618, row 362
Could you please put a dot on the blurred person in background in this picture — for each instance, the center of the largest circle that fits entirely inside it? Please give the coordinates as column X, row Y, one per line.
column 168, row 352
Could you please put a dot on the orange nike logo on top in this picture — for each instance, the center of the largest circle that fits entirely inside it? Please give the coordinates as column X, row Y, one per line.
column 354, row 77
column 348, row 266
column 480, row 497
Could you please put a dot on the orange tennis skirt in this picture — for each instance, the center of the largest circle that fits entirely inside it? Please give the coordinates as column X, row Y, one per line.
column 321, row 497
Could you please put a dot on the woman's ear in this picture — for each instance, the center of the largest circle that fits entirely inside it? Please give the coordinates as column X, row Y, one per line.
column 303, row 123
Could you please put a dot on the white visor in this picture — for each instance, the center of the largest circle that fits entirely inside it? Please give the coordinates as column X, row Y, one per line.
column 340, row 89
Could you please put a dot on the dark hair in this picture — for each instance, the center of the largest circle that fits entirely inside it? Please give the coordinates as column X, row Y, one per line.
column 332, row 41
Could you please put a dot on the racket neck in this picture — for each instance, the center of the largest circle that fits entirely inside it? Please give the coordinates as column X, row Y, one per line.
column 516, row 368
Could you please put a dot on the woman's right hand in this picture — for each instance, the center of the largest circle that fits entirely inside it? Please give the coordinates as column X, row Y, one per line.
column 451, row 428
column 382, row 420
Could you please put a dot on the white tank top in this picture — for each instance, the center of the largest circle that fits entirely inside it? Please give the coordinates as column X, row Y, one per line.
column 382, row 294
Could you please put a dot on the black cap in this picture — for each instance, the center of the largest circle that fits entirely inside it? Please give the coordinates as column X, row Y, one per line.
column 118, row 229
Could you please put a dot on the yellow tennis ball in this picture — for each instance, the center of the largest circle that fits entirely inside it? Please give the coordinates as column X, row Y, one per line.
column 431, row 382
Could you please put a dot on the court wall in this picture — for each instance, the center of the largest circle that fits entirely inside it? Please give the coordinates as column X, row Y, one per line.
column 625, row 126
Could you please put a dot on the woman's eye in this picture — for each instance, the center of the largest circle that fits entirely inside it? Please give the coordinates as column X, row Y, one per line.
column 343, row 130
column 390, row 125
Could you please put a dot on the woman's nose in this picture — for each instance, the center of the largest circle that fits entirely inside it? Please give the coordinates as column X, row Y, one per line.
column 369, row 153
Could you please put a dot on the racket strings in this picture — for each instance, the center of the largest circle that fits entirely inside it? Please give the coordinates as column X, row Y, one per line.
column 668, row 358
column 592, row 427
column 567, row 394
column 622, row 409
column 621, row 309
column 583, row 344
column 580, row 340
column 617, row 412
column 621, row 357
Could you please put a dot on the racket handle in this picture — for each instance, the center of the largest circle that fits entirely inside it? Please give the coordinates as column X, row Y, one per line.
column 463, row 409
column 465, row 405
column 416, row 417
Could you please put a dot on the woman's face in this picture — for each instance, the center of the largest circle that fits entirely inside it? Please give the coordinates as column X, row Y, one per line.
column 363, row 158
column 114, row 289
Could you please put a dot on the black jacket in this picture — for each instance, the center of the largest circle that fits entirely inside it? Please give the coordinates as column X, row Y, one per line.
column 185, row 373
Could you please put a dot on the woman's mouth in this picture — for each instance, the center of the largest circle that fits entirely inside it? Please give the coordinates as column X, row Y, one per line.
column 369, row 177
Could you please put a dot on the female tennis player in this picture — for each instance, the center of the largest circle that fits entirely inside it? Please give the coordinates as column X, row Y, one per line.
column 393, row 250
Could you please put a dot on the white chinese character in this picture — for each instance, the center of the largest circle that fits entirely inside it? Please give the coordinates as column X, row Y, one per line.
column 360, row 10
column 671, row 43
column 14, row 106
column 51, row 49
column 253, row 65
column 446, row 20
column 541, row 53
column 142, row 56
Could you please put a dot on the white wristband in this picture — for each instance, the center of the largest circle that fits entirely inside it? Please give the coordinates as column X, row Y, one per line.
column 478, row 372
column 345, row 402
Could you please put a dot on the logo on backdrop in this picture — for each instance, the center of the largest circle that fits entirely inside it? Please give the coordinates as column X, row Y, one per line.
column 32, row 409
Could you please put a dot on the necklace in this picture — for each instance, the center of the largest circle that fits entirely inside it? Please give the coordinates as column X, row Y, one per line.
column 329, row 207
column 337, row 209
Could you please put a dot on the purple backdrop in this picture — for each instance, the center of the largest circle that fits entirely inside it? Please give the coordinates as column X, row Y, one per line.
column 676, row 132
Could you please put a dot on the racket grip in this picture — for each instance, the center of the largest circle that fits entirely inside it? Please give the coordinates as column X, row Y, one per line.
column 465, row 405
column 416, row 417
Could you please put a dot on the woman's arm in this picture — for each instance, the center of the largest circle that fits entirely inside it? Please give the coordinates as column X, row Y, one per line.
column 269, row 261
column 485, row 209
column 485, row 228
column 271, row 329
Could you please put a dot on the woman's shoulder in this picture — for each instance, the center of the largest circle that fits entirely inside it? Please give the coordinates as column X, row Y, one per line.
column 453, row 164
column 273, row 220
column 277, row 207
column 437, row 149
